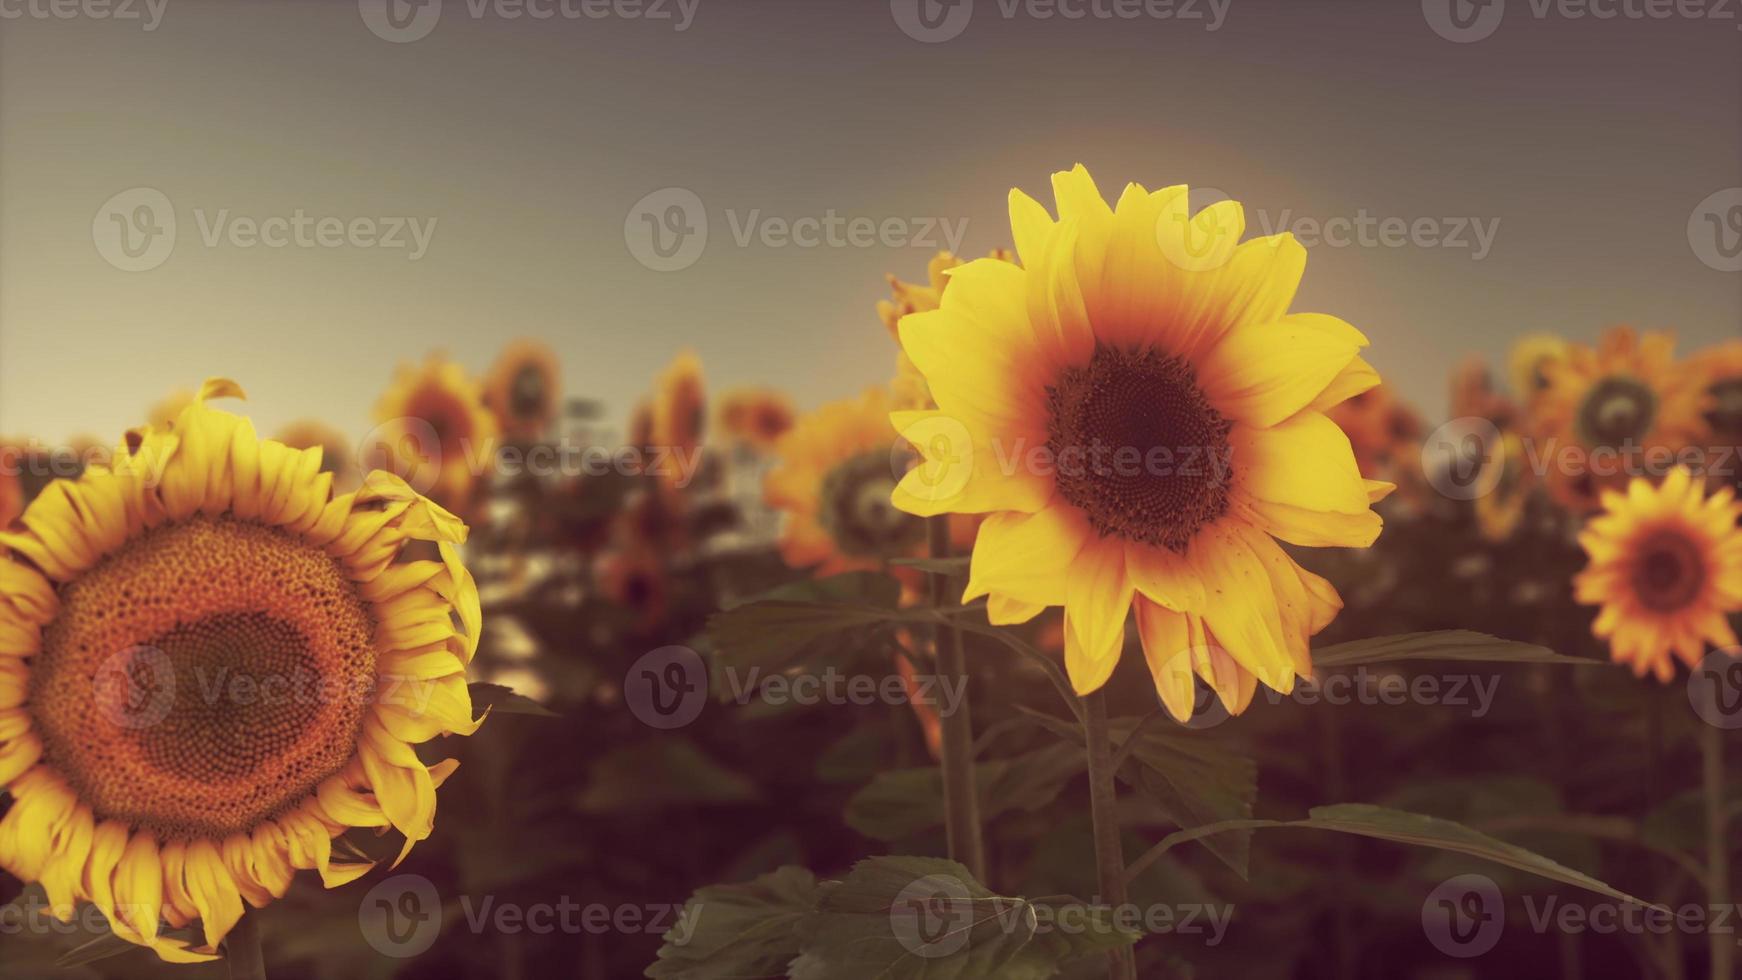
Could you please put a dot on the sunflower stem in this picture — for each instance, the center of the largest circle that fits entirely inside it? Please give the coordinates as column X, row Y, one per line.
column 242, row 949
column 1103, row 810
column 961, row 801
column 1717, row 849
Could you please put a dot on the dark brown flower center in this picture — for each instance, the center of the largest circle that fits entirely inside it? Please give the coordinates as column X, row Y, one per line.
column 1617, row 413
column 855, row 508
column 1137, row 447
column 1669, row 572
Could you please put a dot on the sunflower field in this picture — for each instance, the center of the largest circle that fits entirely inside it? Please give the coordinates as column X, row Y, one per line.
column 1133, row 621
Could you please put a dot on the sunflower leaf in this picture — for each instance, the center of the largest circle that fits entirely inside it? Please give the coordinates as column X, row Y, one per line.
column 750, row 930
column 904, row 803
column 1458, row 645
column 782, row 628
column 503, row 700
column 906, row 918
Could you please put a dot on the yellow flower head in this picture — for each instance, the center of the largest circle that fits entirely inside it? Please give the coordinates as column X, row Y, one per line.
column 836, row 472
column 1616, row 406
column 908, row 387
column 524, row 389
column 1719, row 370
column 1140, row 417
column 1500, row 511
column 1666, row 568
column 11, row 481
column 755, row 417
column 1528, row 364
column 679, row 412
column 337, row 456
column 210, row 667
column 434, row 431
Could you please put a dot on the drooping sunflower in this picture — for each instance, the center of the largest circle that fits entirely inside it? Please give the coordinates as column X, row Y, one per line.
column 755, row 417
column 435, row 432
column 908, row 387
column 679, row 415
column 1615, row 411
column 337, row 457
column 1666, row 568
column 210, row 667
column 524, row 389
column 833, row 484
column 1147, row 330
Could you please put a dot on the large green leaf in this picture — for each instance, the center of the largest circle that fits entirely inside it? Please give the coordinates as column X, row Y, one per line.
column 916, row 918
column 1193, row 779
column 730, row 932
column 779, row 629
column 1460, row 645
column 902, row 803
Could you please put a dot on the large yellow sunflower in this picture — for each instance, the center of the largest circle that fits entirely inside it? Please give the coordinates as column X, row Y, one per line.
column 435, row 432
column 833, row 482
column 210, row 667
column 1666, row 568
column 1143, row 330
column 1621, row 409
column 524, row 389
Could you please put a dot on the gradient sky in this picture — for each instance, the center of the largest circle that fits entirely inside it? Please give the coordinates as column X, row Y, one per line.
column 1590, row 142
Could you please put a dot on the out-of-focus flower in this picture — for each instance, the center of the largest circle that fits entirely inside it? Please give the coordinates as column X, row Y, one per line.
column 11, row 482
column 836, row 472
column 679, row 413
column 1666, row 568
column 908, row 388
column 634, row 578
column 435, row 431
column 337, row 457
column 1611, row 409
column 1719, row 369
column 1144, row 329
column 1474, row 394
column 208, row 552
column 1501, row 509
column 1384, row 433
column 1528, row 364
column 925, row 711
column 755, row 417
column 524, row 389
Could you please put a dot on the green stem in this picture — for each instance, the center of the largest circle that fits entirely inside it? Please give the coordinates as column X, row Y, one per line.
column 1103, row 810
column 961, row 802
column 1717, row 849
column 242, row 948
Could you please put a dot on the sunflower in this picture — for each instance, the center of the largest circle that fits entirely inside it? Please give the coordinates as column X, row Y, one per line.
column 168, row 408
column 836, row 472
column 755, row 417
column 12, row 463
column 1719, row 370
column 1666, row 568
column 1529, row 362
column 1383, row 431
column 1500, row 510
column 1610, row 411
column 524, row 389
column 336, row 455
column 434, row 430
column 1147, row 331
column 210, row 667
column 679, row 411
column 908, row 387
column 1474, row 394
column 634, row 578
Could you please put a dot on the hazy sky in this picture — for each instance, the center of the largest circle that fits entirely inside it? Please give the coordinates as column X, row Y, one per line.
column 1550, row 172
